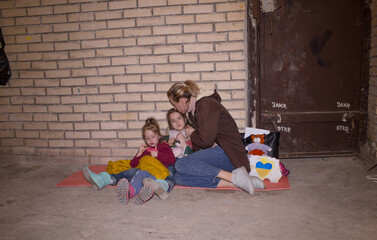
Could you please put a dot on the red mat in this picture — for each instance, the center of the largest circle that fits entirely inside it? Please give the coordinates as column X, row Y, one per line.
column 77, row 179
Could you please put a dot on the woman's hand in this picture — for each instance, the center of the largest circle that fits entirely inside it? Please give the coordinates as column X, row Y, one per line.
column 189, row 130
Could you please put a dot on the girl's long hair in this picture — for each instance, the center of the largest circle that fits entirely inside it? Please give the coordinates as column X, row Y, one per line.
column 152, row 125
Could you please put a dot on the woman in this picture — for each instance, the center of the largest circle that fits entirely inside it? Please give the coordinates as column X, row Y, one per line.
column 222, row 160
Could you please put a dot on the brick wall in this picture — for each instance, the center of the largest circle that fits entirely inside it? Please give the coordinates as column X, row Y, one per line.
column 87, row 73
column 372, row 100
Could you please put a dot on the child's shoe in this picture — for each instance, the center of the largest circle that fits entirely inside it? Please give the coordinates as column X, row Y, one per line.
column 123, row 192
column 98, row 181
column 144, row 195
column 157, row 189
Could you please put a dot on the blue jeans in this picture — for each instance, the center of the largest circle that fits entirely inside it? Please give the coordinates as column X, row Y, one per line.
column 200, row 169
column 170, row 179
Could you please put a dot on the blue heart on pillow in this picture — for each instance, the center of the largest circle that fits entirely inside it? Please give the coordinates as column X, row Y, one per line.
column 267, row 166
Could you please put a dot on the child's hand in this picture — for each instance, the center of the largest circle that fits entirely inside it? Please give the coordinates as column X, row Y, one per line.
column 154, row 153
column 142, row 148
column 181, row 139
column 171, row 141
column 189, row 130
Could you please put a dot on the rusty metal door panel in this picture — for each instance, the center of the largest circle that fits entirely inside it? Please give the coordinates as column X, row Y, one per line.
column 310, row 67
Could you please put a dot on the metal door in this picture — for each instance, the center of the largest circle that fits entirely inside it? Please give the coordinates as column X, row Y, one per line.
column 309, row 82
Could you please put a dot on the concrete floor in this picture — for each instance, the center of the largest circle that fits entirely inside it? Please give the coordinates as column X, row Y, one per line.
column 330, row 198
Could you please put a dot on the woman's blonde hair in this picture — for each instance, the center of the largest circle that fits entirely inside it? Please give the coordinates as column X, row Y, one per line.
column 186, row 89
column 152, row 125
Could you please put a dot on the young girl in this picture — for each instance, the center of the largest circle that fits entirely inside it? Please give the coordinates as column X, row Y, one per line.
column 126, row 190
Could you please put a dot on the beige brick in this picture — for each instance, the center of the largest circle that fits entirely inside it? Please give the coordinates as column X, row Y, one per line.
column 137, row 32
column 61, row 143
column 230, row 7
column 167, row 30
column 112, row 89
column 82, row 54
column 27, row 134
column 152, row 97
column 123, row 42
column 33, row 91
column 66, row 27
column 139, row 69
column 131, row 135
column 104, row 134
column 216, row 76
column 12, row 31
column 55, row 55
column 20, row 66
column 202, row 8
column 66, row 8
column 150, row 78
column 163, row 106
column 109, row 52
column 231, row 85
column 213, row 17
column 11, row 142
column 111, row 70
column 234, row 56
column 90, row 7
column 153, row 59
column 180, row 77
column 54, row 2
column 73, row 99
column 113, row 143
column 62, row 18
column 124, row 23
column 127, row 79
column 212, row 37
column 144, row 106
column 27, row 3
column 101, row 99
column 137, row 13
column 183, row 58
column 21, row 100
column 74, row 117
column 229, row 46
column 97, row 117
column 23, row 150
column 138, row 50
column 141, row 87
column 47, row 100
column 187, row 38
column 84, row 72
column 164, row 68
column 36, row 143
column 22, row 83
column 67, row 46
column 229, row 26
column 99, row 80
column 236, row 16
column 86, row 143
column 124, row 116
column 151, row 40
column 10, row 109
column 35, row 126
column 10, row 126
column 32, row 108
column 97, row 62
column 154, row 3
column 77, row 135
column 29, row 38
column 72, row 81
column 149, row 21
column 7, row 22
column 4, row 100
column 81, row 17
column 175, row 10
column 182, row 2
column 183, row 19
column 85, row 90
column 45, row 118
column 109, row 33
column 108, row 15
column 122, row 4
column 124, row 60
column 6, row 134
column 70, row 64
column 168, row 49
column 60, row 109
column 16, row 12
column 44, row 65
column 93, row 25
column 39, row 11
column 59, row 91
column 113, row 125
column 57, row 73
column 200, row 47
column 223, row 66
column 39, row 29
column 197, row 28
column 127, row 97
column 31, row 74
column 81, row 35
column 236, row 36
column 238, row 74
column 214, row 57
column 51, row 134
column 10, row 40
column 86, row 108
